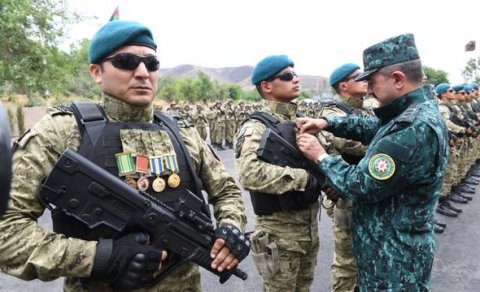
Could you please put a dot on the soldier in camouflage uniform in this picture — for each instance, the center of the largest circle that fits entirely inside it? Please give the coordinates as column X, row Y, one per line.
column 124, row 62
column 200, row 121
column 241, row 113
column 230, row 123
column 173, row 109
column 347, row 102
column 395, row 186
column 285, row 241
column 457, row 131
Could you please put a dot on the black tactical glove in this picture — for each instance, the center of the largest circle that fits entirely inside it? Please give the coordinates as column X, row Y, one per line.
column 313, row 189
column 238, row 244
column 126, row 262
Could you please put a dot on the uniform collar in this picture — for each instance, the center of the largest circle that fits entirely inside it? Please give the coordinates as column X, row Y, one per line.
column 286, row 109
column 119, row 110
column 389, row 111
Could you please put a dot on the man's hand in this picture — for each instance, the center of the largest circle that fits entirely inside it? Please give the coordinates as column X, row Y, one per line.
column 311, row 126
column 229, row 248
column 331, row 194
column 310, row 146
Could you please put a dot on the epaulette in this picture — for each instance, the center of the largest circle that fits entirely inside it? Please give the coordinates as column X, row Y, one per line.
column 60, row 110
column 183, row 123
column 409, row 114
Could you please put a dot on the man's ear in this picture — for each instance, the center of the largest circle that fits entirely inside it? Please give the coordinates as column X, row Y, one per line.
column 266, row 86
column 95, row 72
column 399, row 79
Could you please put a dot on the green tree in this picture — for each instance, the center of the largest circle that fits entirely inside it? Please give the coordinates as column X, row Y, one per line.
column 471, row 73
column 31, row 31
column 434, row 76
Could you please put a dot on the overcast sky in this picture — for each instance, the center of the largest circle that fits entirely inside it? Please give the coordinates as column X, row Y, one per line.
column 317, row 35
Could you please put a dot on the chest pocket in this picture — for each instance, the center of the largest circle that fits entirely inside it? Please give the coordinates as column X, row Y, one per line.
column 152, row 143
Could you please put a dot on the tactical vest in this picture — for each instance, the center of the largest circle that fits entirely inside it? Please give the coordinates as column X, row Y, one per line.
column 267, row 204
column 101, row 141
column 349, row 110
column 454, row 118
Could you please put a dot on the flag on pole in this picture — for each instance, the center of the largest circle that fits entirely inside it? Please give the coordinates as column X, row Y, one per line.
column 115, row 15
column 470, row 46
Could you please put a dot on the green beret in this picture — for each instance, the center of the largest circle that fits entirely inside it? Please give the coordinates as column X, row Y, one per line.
column 270, row 66
column 468, row 88
column 442, row 88
column 392, row 51
column 117, row 34
column 457, row 87
column 342, row 72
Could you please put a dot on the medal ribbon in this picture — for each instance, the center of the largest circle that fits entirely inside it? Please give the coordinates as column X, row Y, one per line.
column 125, row 163
column 171, row 162
column 142, row 163
column 156, row 165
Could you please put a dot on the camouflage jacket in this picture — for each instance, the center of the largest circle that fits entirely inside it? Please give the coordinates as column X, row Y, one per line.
column 394, row 189
column 29, row 251
column 260, row 176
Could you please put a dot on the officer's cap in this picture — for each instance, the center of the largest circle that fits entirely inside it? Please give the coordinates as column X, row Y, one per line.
column 270, row 66
column 117, row 34
column 392, row 51
column 341, row 73
column 442, row 88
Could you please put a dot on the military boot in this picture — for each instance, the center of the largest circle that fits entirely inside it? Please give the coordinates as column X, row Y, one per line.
column 441, row 224
column 443, row 209
column 452, row 207
column 439, row 229
column 464, row 188
column 457, row 199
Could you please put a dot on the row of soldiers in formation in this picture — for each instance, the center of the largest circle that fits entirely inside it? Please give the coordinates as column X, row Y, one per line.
column 223, row 117
column 460, row 108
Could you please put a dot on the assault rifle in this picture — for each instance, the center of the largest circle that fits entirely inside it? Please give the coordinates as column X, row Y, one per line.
column 277, row 151
column 80, row 188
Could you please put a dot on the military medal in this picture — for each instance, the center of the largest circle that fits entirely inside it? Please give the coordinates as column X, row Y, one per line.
column 131, row 181
column 173, row 180
column 158, row 184
column 171, row 164
column 141, row 166
column 142, row 183
column 156, row 167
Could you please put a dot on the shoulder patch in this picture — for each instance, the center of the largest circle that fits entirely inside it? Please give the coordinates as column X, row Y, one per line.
column 409, row 114
column 381, row 166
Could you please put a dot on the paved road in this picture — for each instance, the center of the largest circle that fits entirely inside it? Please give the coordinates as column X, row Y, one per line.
column 456, row 266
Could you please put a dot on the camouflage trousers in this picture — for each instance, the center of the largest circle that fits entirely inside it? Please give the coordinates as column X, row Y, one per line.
column 449, row 178
column 184, row 278
column 218, row 133
column 230, row 126
column 344, row 265
column 295, row 268
column 202, row 130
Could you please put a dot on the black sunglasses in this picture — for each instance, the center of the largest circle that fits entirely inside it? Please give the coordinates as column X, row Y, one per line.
column 351, row 77
column 128, row 61
column 450, row 90
column 287, row 76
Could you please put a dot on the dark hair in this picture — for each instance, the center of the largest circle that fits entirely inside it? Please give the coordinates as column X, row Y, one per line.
column 412, row 70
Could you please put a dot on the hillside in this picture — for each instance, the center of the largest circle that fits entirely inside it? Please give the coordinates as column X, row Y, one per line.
column 240, row 75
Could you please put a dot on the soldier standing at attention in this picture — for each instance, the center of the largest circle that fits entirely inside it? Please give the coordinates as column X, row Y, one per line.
column 123, row 61
column 347, row 102
column 393, row 198
column 200, row 120
column 285, row 241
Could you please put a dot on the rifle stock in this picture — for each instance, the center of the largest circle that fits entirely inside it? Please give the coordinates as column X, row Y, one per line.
column 95, row 197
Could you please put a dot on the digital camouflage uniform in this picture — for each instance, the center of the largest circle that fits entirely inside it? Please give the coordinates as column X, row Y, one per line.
column 295, row 233
column 344, row 267
column 200, row 121
column 393, row 197
column 452, row 167
column 29, row 251
column 230, row 124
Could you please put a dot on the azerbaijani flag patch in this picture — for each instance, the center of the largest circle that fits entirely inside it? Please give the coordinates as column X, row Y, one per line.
column 381, row 166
